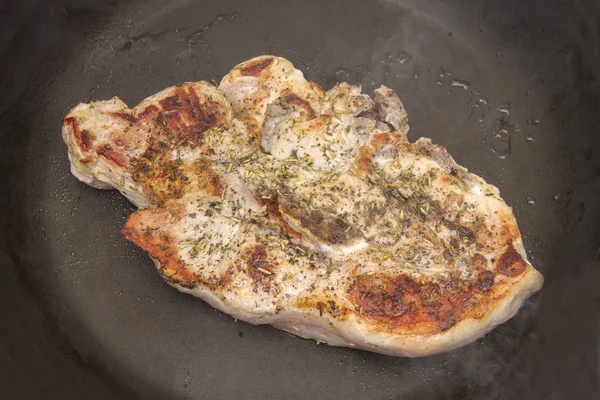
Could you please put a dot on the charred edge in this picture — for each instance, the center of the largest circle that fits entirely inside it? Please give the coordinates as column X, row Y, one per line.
column 321, row 307
column 317, row 88
column 166, row 182
column 485, row 280
column 257, row 261
column 330, row 230
column 107, row 152
column 74, row 127
column 124, row 116
column 208, row 180
column 405, row 303
column 226, row 279
column 256, row 68
column 87, row 139
column 159, row 245
column 291, row 98
column 184, row 116
column 149, row 112
column 463, row 231
column 381, row 139
column 273, row 209
column 364, row 161
column 511, row 263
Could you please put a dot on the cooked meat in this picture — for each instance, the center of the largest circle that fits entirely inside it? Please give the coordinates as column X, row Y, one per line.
column 282, row 204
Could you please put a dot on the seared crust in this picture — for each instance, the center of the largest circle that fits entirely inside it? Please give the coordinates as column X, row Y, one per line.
column 280, row 203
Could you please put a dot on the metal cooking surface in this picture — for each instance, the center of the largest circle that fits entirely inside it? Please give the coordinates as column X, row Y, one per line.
column 509, row 90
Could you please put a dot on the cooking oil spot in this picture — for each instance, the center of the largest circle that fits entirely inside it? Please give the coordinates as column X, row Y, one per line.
column 342, row 72
column 460, row 84
column 504, row 108
column 178, row 61
column 530, row 200
column 529, row 138
column 439, row 82
column 130, row 292
column 482, row 101
column 502, row 145
column 386, row 71
column 403, row 57
column 556, row 197
column 416, row 74
column 534, row 121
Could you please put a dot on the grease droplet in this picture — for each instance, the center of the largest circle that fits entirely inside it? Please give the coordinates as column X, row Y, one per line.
column 504, row 108
column 403, row 57
column 530, row 200
column 556, row 197
column 461, row 84
column 342, row 71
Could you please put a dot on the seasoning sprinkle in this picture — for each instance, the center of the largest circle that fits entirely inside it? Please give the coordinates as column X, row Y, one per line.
column 348, row 228
column 295, row 328
column 203, row 245
column 401, row 214
column 229, row 167
column 319, row 341
column 422, row 210
column 351, row 344
column 266, row 197
column 265, row 271
column 234, row 219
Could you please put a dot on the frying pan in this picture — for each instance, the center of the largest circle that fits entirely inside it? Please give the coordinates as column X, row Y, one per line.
column 510, row 87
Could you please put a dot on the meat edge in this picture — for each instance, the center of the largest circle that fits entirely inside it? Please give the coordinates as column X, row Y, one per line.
column 310, row 325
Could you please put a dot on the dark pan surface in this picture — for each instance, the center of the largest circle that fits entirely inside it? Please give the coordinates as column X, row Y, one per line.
column 511, row 88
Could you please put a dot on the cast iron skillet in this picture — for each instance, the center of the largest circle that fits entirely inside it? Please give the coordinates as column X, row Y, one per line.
column 510, row 87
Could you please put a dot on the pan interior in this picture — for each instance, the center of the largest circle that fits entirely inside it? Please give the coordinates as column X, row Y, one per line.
column 508, row 99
